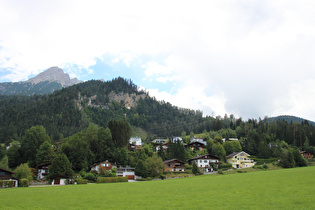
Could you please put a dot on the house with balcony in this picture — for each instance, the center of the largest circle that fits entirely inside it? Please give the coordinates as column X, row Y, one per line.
column 206, row 163
column 106, row 165
column 240, row 160
column 307, row 155
column 126, row 172
column 174, row 165
column 42, row 170
column 8, row 175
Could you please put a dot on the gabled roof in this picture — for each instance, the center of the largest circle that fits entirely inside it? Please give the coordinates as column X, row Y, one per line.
column 196, row 142
column 44, row 164
column 11, row 172
column 208, row 156
column 173, row 160
column 236, row 153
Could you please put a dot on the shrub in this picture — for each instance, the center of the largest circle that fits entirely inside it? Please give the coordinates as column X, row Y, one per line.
column 149, row 178
column 82, row 181
column 265, row 166
column 6, row 183
column 225, row 166
column 220, row 171
column 89, row 176
column 111, row 179
column 23, row 183
column 162, row 176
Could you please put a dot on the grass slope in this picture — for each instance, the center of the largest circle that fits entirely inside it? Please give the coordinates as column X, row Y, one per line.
column 287, row 188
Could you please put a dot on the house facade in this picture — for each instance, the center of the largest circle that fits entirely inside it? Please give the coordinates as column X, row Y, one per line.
column 42, row 170
column 126, row 172
column 175, row 139
column 174, row 165
column 106, row 165
column 196, row 145
column 307, row 155
column 159, row 141
column 8, row 175
column 240, row 160
column 136, row 141
column 206, row 162
column 164, row 146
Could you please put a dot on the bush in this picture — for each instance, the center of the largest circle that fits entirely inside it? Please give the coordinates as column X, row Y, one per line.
column 265, row 166
column 111, row 179
column 6, row 183
column 149, row 178
column 82, row 181
column 225, row 166
column 162, row 176
column 23, row 183
column 89, row 176
column 238, row 171
column 220, row 171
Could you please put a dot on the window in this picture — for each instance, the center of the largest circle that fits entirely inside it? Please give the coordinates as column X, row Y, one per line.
column 2, row 173
column 200, row 161
column 206, row 161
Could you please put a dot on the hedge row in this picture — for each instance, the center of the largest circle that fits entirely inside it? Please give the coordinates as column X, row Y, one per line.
column 6, row 183
column 82, row 181
column 111, row 179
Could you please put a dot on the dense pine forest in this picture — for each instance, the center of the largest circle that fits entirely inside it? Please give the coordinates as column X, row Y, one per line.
column 68, row 111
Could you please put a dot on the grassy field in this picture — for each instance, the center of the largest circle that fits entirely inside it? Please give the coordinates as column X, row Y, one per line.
column 271, row 189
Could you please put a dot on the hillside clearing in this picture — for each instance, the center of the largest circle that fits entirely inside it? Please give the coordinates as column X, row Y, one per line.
column 286, row 188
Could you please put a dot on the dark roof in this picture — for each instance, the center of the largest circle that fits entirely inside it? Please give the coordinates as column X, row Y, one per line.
column 44, row 164
column 173, row 160
column 195, row 143
column 208, row 156
column 11, row 172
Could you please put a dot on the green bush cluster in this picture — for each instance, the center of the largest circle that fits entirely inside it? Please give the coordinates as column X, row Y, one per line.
column 6, row 183
column 111, row 179
column 238, row 171
column 220, row 171
column 81, row 181
column 225, row 166
column 23, row 183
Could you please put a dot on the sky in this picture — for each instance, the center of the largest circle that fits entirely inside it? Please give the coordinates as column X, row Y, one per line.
column 247, row 58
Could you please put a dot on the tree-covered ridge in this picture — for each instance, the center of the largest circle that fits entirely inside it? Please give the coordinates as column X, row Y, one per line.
column 289, row 119
column 27, row 88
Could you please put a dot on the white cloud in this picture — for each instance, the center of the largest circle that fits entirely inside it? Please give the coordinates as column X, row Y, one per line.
column 237, row 57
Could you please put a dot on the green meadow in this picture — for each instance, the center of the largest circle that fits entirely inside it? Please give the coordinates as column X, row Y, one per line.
column 270, row 189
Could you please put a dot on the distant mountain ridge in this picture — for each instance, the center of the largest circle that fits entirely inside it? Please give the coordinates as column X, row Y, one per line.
column 289, row 119
column 46, row 82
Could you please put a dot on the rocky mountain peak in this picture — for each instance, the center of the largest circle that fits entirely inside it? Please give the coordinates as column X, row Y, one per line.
column 54, row 74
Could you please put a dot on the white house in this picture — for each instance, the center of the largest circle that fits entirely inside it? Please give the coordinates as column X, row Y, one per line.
column 126, row 172
column 230, row 139
column 135, row 140
column 159, row 141
column 176, row 139
column 205, row 162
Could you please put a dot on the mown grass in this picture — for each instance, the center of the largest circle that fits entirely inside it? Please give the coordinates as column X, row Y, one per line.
column 270, row 189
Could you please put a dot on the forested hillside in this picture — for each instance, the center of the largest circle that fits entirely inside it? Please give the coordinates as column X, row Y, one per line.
column 70, row 110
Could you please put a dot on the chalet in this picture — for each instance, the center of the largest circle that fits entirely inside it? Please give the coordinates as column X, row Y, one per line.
column 103, row 165
column 201, row 140
column 126, row 172
column 164, row 146
column 60, row 180
column 307, row 155
column 136, row 141
column 206, row 162
column 230, row 139
column 159, row 141
column 174, row 165
column 175, row 139
column 240, row 160
column 42, row 170
column 196, row 145
column 8, row 175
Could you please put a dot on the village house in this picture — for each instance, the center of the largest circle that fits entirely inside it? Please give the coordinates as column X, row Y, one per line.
column 240, row 160
column 175, row 139
column 230, row 139
column 42, row 170
column 61, row 180
column 174, row 165
column 307, row 155
column 136, row 141
column 159, row 141
column 8, row 175
column 196, row 145
column 126, row 172
column 164, row 146
column 106, row 165
column 206, row 163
